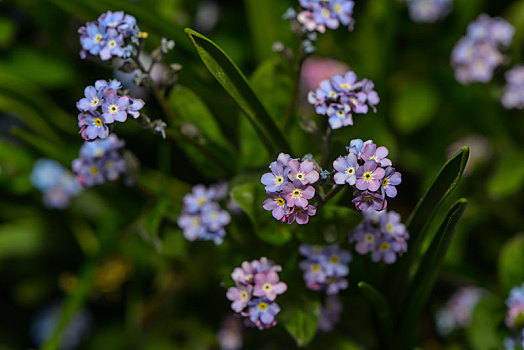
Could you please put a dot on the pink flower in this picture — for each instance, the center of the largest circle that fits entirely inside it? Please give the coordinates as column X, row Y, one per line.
column 297, row 195
column 268, row 285
column 304, row 172
column 240, row 296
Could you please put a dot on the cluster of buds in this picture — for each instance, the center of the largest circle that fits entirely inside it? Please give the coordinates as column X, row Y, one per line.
column 288, row 186
column 325, row 267
column 113, row 34
column 476, row 55
column 513, row 96
column 382, row 234
column 256, row 287
column 202, row 217
column 103, row 104
column 368, row 170
column 57, row 183
column 100, row 161
column 342, row 96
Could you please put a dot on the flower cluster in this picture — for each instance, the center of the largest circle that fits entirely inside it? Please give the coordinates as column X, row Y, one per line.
column 100, row 161
column 288, row 186
column 428, row 11
column 102, row 105
column 325, row 267
column 343, row 95
column 515, row 317
column 513, row 96
column 476, row 55
column 256, row 287
column 330, row 313
column 113, row 34
column 202, row 217
column 382, row 234
column 458, row 311
column 370, row 172
column 319, row 14
column 58, row 184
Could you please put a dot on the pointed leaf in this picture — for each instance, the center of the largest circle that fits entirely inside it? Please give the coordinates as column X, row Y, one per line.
column 234, row 82
column 380, row 306
column 301, row 323
column 420, row 287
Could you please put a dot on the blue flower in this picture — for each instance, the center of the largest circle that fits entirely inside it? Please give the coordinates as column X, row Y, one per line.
column 46, row 174
column 91, row 101
column 346, row 168
column 214, row 217
column 278, row 177
column 114, row 107
column 193, row 202
column 263, row 311
column 111, row 19
column 343, row 10
column 113, row 46
column 92, row 126
column 339, row 115
column 94, row 38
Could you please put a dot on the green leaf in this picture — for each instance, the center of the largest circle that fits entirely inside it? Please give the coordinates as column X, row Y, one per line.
column 301, row 323
column 422, row 283
column 264, row 20
column 234, row 82
column 250, row 197
column 149, row 224
column 380, row 306
column 414, row 106
column 511, row 261
column 421, row 217
column 21, row 238
column 502, row 185
column 482, row 332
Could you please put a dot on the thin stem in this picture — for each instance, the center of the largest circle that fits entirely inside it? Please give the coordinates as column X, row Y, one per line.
column 325, row 148
column 291, row 105
column 334, row 190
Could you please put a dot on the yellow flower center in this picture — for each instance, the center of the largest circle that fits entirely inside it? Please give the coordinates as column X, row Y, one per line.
column 201, row 200
column 350, row 170
column 315, row 267
column 317, row 249
column 110, row 165
column 368, row 197
column 94, row 101
column 213, row 215
column 196, row 221
column 279, row 180
column 345, row 86
column 267, row 287
column 390, row 227
column 301, row 176
column 113, row 24
column 243, row 295
column 340, row 113
column 143, row 35
column 374, row 158
column 367, row 176
column 332, row 94
column 334, row 259
column 280, row 201
column 99, row 152
column 97, row 38
column 113, row 109
column 384, row 246
column 385, row 182
column 112, row 44
column 369, row 238
column 94, row 170
column 337, row 8
column 296, row 193
column 98, row 121
column 325, row 13
column 262, row 306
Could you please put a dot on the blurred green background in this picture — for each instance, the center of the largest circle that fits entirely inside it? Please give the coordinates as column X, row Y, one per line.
column 118, row 252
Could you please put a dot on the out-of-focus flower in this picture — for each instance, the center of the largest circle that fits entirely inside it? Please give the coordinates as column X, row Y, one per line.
column 513, row 96
column 202, row 218
column 253, row 297
column 46, row 321
column 458, row 311
column 325, row 267
column 515, row 304
column 229, row 336
column 330, row 313
column 480, row 150
column 57, row 184
column 382, row 234
column 100, row 161
column 342, row 96
column 428, row 11
column 476, row 55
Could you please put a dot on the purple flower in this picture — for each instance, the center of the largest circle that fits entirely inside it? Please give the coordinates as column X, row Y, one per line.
column 263, row 311
column 92, row 126
column 191, row 226
column 334, row 285
column 322, row 95
column 513, row 95
column 194, row 201
column 113, row 45
column 366, row 238
column 268, row 285
column 345, row 83
column 277, row 205
column 369, row 200
column 135, row 105
column 391, row 179
column 346, row 168
column 323, row 14
column 283, row 159
column 243, row 274
column 275, row 180
column 240, row 296
column 98, row 148
column 214, row 217
column 307, row 19
column 387, row 251
column 303, row 172
column 113, row 165
column 369, row 176
column 114, row 107
column 372, row 98
column 301, row 215
column 330, row 314
column 336, row 262
column 89, row 171
column 92, row 38
column 339, row 115
column 343, row 10
column 90, row 102
column 102, row 85
column 355, row 147
column 297, row 194
column 111, row 19
column 314, row 273
column 428, row 11
column 312, row 252
column 458, row 311
column 371, row 152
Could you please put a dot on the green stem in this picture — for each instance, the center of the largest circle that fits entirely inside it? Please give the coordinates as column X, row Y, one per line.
column 336, row 189
column 325, row 147
column 291, row 105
